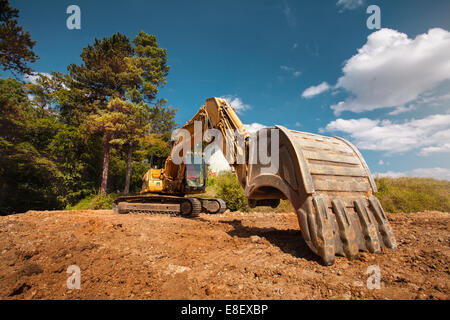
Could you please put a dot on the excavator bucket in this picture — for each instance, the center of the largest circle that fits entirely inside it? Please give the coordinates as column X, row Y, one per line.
column 331, row 188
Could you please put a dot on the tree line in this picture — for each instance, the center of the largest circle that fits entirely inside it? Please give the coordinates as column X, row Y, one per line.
column 95, row 128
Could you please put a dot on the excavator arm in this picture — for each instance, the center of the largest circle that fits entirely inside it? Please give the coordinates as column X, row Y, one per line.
column 215, row 114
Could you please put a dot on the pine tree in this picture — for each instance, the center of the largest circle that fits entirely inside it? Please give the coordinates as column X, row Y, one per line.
column 114, row 70
column 16, row 46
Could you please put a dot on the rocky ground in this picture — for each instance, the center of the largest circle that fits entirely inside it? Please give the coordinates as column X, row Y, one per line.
column 227, row 256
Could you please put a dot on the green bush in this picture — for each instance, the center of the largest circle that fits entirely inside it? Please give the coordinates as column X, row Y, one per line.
column 413, row 194
column 211, row 181
column 230, row 190
column 95, row 202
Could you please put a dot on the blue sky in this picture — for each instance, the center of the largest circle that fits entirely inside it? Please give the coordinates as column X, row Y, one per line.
column 391, row 99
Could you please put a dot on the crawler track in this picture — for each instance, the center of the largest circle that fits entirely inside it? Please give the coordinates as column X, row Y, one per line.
column 168, row 205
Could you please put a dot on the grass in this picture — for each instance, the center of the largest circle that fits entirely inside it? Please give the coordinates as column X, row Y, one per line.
column 94, row 202
column 413, row 194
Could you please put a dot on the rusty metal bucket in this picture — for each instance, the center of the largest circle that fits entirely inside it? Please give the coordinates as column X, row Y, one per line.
column 331, row 188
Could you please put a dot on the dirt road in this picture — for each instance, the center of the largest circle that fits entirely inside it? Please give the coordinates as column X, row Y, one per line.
column 227, row 256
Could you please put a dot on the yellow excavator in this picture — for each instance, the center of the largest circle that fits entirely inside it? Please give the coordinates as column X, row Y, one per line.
column 325, row 178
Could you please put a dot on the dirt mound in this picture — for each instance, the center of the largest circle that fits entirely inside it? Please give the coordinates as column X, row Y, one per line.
column 227, row 256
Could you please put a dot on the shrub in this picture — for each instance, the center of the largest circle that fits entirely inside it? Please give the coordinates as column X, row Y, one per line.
column 211, row 181
column 230, row 190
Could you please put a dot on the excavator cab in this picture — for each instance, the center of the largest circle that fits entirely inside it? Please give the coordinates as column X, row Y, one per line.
column 195, row 177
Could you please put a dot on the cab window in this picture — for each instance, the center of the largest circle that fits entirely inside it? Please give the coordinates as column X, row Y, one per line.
column 194, row 175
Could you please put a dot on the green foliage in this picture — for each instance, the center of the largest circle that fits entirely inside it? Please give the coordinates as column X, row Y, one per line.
column 413, row 194
column 116, row 79
column 41, row 91
column 79, row 159
column 95, row 202
column 104, row 72
column 162, row 119
column 113, row 67
column 150, row 62
column 118, row 167
column 46, row 163
column 155, row 150
column 29, row 176
column 111, row 121
column 15, row 110
column 29, row 180
column 55, row 130
column 230, row 190
column 69, row 100
column 211, row 181
column 16, row 46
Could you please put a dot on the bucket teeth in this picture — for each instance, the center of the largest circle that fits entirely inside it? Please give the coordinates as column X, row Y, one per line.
column 383, row 224
column 325, row 231
column 340, row 227
column 346, row 230
column 368, row 226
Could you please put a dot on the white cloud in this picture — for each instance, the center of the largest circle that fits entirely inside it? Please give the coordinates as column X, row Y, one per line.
column 440, row 149
column 31, row 78
column 350, row 4
column 402, row 109
column 381, row 162
column 315, row 90
column 289, row 16
column 236, row 103
column 392, row 70
column 292, row 71
column 436, row 173
column 253, row 127
column 428, row 135
column 435, row 100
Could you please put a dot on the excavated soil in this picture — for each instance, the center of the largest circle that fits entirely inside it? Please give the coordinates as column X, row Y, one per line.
column 227, row 256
